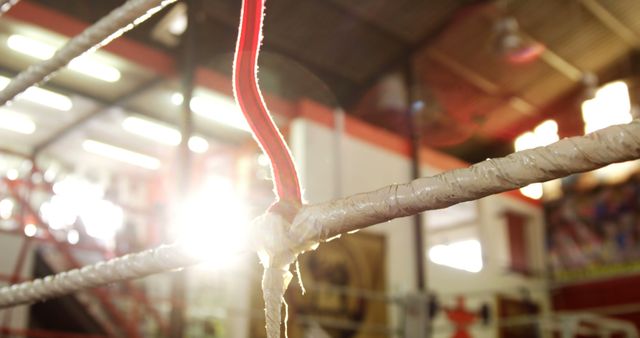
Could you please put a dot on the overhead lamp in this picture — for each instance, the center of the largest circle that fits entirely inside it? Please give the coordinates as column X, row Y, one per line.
column 178, row 25
column 177, row 99
column 151, row 130
column 42, row 96
column 171, row 26
column 217, row 108
column 13, row 174
column 6, row 208
column 95, row 69
column 82, row 64
column 121, row 154
column 73, row 236
column 162, row 133
column 16, row 122
column 34, row 48
column 198, row 144
column 30, row 230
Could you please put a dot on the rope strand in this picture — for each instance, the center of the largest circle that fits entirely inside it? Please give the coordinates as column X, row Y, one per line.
column 251, row 102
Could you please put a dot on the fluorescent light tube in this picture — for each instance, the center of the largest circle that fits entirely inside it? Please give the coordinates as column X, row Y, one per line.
column 176, row 99
column 42, row 96
column 82, row 64
column 162, row 133
column 121, row 154
column 31, row 47
column 198, row 144
column 16, row 122
column 95, row 69
column 217, row 108
column 152, row 130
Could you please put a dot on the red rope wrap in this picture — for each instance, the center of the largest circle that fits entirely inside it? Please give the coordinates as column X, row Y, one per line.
column 250, row 100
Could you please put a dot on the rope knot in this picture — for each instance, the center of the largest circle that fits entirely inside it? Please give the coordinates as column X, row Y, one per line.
column 277, row 250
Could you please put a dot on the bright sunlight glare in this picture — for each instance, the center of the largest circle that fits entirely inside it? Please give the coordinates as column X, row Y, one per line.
column 213, row 223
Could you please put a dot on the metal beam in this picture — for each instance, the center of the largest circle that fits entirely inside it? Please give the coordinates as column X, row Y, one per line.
column 105, row 106
column 614, row 24
column 555, row 61
column 368, row 23
column 415, row 137
column 188, row 65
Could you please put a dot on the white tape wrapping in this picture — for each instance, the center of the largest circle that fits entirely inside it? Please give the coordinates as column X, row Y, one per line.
column 163, row 258
column 571, row 155
column 277, row 251
column 97, row 35
column 317, row 223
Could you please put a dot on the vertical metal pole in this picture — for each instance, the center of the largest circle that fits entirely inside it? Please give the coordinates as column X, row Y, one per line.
column 338, row 137
column 183, row 174
column 415, row 136
column 415, row 143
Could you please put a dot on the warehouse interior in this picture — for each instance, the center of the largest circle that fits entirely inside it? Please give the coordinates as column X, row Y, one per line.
column 140, row 143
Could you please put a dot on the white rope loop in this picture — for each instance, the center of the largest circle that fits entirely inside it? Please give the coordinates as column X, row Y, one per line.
column 320, row 222
column 120, row 20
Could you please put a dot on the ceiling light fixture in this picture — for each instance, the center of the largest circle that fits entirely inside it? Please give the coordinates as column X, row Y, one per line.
column 151, row 130
column 217, row 108
column 16, row 122
column 177, row 99
column 198, row 144
column 121, row 154
column 31, row 47
column 95, row 69
column 73, row 236
column 162, row 133
column 171, row 26
column 30, row 230
column 42, row 96
column 178, row 24
column 82, row 64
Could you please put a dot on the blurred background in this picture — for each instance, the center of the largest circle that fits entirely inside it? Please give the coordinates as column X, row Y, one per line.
column 141, row 143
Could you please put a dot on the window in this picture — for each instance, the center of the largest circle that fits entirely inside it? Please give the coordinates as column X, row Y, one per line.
column 462, row 255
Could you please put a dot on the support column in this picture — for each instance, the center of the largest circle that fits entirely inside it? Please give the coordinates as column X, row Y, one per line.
column 184, row 165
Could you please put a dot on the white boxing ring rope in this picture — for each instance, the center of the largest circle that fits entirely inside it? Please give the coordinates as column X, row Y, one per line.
column 316, row 223
column 97, row 35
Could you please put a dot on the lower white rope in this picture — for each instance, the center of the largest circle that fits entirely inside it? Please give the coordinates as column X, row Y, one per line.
column 5, row 5
column 120, row 20
column 279, row 244
column 160, row 259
